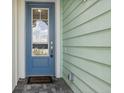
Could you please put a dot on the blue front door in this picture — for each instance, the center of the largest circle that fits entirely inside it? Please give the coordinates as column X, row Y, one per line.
column 40, row 39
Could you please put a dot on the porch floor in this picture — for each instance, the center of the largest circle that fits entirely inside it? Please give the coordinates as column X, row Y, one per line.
column 59, row 86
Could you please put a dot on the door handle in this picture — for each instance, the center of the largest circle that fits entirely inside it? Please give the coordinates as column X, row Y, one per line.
column 51, row 48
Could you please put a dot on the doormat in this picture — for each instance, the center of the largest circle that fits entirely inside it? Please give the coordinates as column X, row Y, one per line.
column 39, row 80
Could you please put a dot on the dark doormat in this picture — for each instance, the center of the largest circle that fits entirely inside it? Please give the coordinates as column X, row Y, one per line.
column 39, row 80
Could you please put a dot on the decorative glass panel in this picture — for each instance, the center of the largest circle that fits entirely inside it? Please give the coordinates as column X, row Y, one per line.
column 36, row 14
column 40, row 32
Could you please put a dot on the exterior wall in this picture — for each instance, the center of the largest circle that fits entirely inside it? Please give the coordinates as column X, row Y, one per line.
column 87, row 45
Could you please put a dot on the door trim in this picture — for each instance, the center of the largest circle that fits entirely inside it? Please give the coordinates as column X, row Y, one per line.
column 21, row 41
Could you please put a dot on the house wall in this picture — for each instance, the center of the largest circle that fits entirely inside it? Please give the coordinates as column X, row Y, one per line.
column 87, row 45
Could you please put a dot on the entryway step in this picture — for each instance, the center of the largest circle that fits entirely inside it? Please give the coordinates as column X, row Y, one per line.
column 58, row 86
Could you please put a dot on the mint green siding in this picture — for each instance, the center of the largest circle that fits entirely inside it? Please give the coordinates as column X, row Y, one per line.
column 86, row 39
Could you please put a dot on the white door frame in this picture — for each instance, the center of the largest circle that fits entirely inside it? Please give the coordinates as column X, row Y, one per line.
column 22, row 39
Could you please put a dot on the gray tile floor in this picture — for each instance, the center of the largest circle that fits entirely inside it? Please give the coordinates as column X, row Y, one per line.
column 59, row 86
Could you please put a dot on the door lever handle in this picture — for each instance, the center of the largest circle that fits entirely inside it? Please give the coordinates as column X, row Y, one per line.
column 51, row 55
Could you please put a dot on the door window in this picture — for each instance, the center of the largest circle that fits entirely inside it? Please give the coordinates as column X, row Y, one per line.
column 40, row 32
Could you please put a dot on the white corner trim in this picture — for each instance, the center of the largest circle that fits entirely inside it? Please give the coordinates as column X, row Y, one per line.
column 21, row 37
column 57, row 34
column 14, row 45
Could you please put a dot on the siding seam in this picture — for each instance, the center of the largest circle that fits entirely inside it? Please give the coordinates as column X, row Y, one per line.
column 65, row 5
column 65, row 2
column 88, row 46
column 106, row 29
column 72, row 11
column 82, row 81
column 88, row 59
column 87, row 21
column 88, row 72
column 68, row 6
column 73, row 83
column 82, row 12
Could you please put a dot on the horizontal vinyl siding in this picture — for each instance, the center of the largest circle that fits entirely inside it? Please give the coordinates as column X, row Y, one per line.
column 87, row 45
